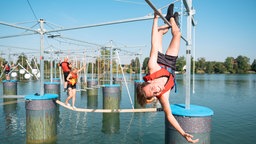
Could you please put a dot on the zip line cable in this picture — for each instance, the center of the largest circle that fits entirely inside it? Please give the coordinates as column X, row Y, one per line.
column 32, row 10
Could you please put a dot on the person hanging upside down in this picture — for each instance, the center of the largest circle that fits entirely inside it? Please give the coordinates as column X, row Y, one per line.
column 160, row 80
column 72, row 80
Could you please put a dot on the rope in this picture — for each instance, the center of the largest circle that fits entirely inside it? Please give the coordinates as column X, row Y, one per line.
column 125, row 80
column 13, row 96
column 12, row 102
column 32, row 10
column 194, row 58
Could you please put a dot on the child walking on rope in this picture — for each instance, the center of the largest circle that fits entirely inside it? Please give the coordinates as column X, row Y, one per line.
column 72, row 80
column 160, row 80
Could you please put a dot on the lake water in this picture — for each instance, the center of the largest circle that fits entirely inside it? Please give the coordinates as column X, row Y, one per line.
column 231, row 97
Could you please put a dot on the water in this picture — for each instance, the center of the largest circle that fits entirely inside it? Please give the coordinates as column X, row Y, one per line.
column 231, row 97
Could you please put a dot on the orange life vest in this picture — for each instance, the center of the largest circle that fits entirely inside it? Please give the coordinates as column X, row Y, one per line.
column 73, row 78
column 162, row 73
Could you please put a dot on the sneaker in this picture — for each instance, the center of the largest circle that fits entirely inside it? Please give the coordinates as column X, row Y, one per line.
column 74, row 107
column 68, row 104
column 176, row 18
column 169, row 12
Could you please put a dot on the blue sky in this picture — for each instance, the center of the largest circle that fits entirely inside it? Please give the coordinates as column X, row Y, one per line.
column 224, row 28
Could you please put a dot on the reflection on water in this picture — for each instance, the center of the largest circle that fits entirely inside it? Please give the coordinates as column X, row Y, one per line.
column 232, row 97
column 10, row 115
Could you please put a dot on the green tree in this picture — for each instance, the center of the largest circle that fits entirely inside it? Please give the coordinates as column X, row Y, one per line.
column 253, row 66
column 135, row 65
column 243, row 64
column 229, row 64
column 22, row 60
column 209, row 67
column 90, row 70
column 145, row 64
column 2, row 60
column 219, row 67
column 201, row 64
column 180, row 63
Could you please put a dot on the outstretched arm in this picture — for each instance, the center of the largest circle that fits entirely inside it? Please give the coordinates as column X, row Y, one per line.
column 60, row 61
column 82, row 68
column 166, row 107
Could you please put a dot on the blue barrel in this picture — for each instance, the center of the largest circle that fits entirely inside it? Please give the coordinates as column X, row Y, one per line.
column 41, row 119
column 56, row 80
column 83, row 82
column 52, row 88
column 10, row 87
column 92, row 85
column 195, row 121
column 111, row 100
column 111, row 96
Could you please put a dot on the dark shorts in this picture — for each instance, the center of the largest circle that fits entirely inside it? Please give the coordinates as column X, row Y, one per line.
column 6, row 71
column 72, row 86
column 167, row 60
column 65, row 76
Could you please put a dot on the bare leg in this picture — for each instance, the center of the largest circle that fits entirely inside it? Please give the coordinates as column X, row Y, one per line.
column 74, row 97
column 156, row 43
column 70, row 95
column 174, row 46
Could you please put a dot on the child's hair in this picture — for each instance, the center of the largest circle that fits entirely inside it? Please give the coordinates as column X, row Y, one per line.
column 141, row 95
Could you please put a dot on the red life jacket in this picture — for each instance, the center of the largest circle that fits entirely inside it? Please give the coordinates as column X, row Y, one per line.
column 160, row 73
column 7, row 68
column 73, row 78
column 65, row 67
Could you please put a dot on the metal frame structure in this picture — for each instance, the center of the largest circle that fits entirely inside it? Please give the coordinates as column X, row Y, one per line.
column 190, row 22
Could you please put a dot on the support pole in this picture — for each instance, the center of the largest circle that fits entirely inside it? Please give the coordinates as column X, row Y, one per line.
column 188, row 54
column 111, row 63
column 41, row 57
column 51, row 67
column 140, row 65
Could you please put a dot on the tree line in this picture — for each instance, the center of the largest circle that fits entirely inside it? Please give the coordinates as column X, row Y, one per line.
column 238, row 65
column 231, row 65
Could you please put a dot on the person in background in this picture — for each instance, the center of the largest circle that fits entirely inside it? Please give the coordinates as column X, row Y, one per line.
column 7, row 69
column 66, row 67
column 72, row 80
column 160, row 80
